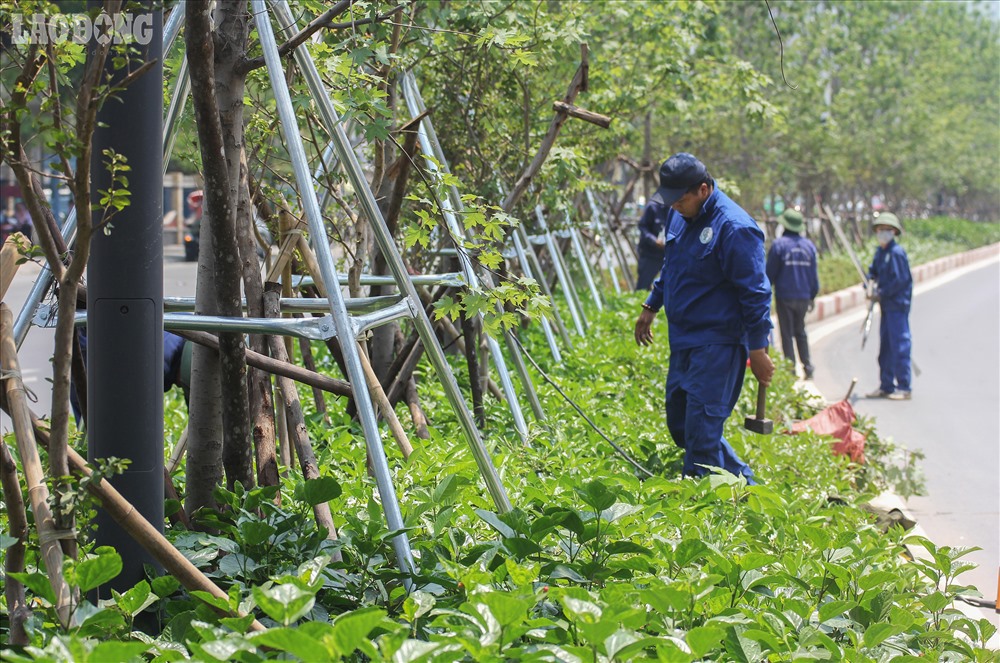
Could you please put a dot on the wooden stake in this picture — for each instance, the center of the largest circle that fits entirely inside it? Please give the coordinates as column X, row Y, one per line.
column 34, row 476
column 8, row 260
column 14, row 561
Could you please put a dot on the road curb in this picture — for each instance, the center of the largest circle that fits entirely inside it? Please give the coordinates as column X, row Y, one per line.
column 845, row 300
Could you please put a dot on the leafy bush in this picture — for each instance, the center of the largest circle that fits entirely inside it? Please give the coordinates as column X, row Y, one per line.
column 594, row 563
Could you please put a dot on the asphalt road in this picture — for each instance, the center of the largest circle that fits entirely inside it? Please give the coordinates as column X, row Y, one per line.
column 954, row 417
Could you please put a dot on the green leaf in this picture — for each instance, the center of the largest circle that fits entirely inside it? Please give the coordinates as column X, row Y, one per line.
column 118, row 651
column 597, row 496
column 284, row 603
column 37, row 583
column 705, row 639
column 320, row 490
column 135, row 600
column 256, row 532
column 294, row 641
column 417, row 605
column 496, row 523
column 7, row 541
column 877, row 633
column 507, row 609
column 164, row 586
column 214, row 601
column 689, row 550
column 834, row 609
column 94, row 572
column 351, row 630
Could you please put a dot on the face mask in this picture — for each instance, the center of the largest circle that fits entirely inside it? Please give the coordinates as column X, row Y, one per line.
column 884, row 236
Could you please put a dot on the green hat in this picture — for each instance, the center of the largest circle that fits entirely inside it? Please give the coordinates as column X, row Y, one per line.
column 792, row 220
column 888, row 219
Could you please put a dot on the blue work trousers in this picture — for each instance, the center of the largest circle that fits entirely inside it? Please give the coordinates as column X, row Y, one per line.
column 894, row 351
column 703, row 384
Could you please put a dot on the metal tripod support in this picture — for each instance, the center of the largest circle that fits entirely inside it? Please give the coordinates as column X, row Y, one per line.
column 345, row 326
column 568, row 290
column 522, row 258
column 435, row 160
column 581, row 256
column 611, row 254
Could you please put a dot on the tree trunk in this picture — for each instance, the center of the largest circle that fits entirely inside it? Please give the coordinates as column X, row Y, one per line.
column 259, row 395
column 470, row 330
column 204, row 456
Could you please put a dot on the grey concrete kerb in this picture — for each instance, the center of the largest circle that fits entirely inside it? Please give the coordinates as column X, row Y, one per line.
column 839, row 302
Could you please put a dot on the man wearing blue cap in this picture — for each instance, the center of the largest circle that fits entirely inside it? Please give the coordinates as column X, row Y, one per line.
column 793, row 272
column 717, row 298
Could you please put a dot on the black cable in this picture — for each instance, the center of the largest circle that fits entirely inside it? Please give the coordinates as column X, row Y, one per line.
column 781, row 46
column 621, row 452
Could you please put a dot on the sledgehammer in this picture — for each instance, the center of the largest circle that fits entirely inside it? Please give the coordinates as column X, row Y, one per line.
column 758, row 424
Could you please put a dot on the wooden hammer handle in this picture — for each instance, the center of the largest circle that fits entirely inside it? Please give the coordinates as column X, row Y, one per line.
column 761, row 400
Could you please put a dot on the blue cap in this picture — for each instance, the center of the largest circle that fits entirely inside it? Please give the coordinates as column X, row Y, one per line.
column 677, row 175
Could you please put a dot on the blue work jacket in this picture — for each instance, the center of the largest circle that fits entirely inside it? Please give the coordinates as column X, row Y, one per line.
column 891, row 270
column 713, row 283
column 791, row 267
column 651, row 224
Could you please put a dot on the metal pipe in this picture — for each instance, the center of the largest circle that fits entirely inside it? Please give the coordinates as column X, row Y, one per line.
column 298, row 304
column 546, row 327
column 560, row 275
column 569, row 278
column 450, row 279
column 597, row 220
column 341, row 320
column 455, row 229
column 313, row 329
column 395, row 262
column 536, row 265
column 581, row 255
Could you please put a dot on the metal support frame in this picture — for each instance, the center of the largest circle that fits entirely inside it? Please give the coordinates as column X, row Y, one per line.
column 529, row 273
column 543, row 282
column 435, row 160
column 561, row 275
column 613, row 240
column 581, row 255
column 348, row 160
column 597, row 223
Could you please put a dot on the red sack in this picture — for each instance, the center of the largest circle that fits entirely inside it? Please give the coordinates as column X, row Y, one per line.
column 836, row 420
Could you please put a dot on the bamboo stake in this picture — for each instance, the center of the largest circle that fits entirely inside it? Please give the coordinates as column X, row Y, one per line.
column 14, row 561
column 148, row 536
column 416, row 412
column 8, row 260
column 295, row 420
column 34, row 476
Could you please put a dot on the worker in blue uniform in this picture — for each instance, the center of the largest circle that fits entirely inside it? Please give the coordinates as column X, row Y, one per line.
column 650, row 247
column 890, row 270
column 714, row 290
column 792, row 271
